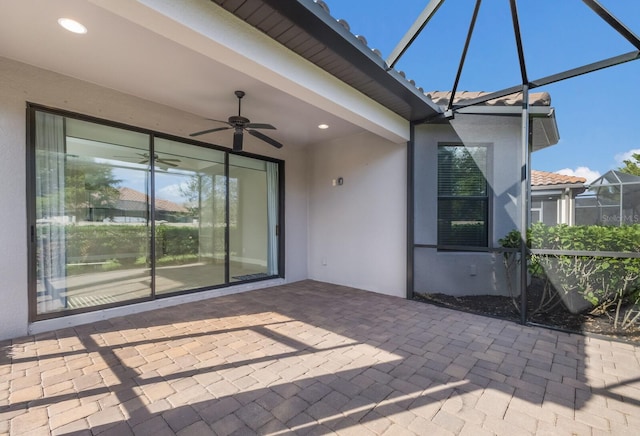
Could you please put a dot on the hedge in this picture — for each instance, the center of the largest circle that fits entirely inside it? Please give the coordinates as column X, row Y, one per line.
column 595, row 284
column 126, row 243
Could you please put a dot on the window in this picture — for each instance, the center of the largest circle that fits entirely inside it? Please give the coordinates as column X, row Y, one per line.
column 545, row 210
column 536, row 211
column 463, row 196
column 119, row 215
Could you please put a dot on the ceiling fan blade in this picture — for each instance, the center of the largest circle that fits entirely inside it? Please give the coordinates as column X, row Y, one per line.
column 260, row 126
column 237, row 140
column 209, row 131
column 265, row 138
column 166, row 159
column 144, row 161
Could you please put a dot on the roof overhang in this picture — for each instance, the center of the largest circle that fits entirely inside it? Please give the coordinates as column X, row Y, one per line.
column 544, row 126
column 216, row 33
column 306, row 28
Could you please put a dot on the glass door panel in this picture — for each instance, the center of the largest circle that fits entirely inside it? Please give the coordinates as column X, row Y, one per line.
column 190, row 216
column 252, row 218
column 89, row 239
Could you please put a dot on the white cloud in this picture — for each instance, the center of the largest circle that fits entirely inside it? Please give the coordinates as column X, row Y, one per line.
column 171, row 193
column 627, row 155
column 585, row 172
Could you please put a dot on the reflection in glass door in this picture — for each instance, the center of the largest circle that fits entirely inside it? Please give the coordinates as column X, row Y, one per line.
column 190, row 216
column 88, row 239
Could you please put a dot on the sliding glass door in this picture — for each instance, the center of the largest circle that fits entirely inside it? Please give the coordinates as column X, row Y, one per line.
column 190, row 227
column 120, row 215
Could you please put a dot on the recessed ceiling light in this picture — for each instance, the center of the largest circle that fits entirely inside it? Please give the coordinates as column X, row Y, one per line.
column 72, row 25
column 323, row 126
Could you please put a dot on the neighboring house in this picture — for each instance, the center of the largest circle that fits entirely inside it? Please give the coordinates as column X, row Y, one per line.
column 332, row 205
column 132, row 207
column 613, row 199
column 553, row 197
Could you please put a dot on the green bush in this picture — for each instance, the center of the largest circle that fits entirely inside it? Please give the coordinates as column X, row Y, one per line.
column 594, row 284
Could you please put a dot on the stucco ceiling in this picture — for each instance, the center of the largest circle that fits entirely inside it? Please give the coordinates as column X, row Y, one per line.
column 118, row 53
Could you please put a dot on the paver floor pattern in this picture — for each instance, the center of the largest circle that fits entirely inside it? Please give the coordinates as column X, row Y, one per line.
column 315, row 358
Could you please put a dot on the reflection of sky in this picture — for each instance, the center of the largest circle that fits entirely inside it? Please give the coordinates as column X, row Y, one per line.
column 167, row 184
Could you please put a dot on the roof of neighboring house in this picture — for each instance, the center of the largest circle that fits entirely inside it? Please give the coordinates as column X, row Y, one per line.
column 130, row 199
column 441, row 98
column 614, row 177
column 543, row 178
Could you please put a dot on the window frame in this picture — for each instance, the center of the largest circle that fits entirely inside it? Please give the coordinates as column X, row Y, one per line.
column 31, row 109
column 488, row 197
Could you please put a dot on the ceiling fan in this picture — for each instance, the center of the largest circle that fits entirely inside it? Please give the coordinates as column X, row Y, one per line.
column 156, row 159
column 240, row 124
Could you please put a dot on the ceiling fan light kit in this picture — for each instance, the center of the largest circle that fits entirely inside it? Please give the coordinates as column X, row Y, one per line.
column 240, row 124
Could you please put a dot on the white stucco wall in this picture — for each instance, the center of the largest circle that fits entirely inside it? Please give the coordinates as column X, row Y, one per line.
column 20, row 83
column 465, row 273
column 357, row 231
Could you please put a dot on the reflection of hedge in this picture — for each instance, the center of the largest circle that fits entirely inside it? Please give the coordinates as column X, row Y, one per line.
column 603, row 285
column 173, row 241
column 98, row 243
column 473, row 234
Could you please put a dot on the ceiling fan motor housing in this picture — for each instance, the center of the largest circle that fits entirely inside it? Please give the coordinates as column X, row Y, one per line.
column 238, row 121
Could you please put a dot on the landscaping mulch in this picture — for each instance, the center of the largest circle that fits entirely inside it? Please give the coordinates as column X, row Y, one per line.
column 558, row 318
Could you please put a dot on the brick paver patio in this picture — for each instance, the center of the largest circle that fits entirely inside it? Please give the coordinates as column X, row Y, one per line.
column 314, row 358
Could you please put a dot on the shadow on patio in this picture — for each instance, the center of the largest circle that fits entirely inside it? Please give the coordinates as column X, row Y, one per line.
column 314, row 358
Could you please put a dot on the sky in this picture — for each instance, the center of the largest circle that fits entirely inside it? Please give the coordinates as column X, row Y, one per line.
column 597, row 114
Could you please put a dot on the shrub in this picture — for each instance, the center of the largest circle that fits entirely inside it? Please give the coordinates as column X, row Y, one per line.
column 595, row 284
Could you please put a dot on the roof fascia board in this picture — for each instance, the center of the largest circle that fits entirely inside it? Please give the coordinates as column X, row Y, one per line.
column 536, row 111
column 550, row 189
column 320, row 25
column 204, row 27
